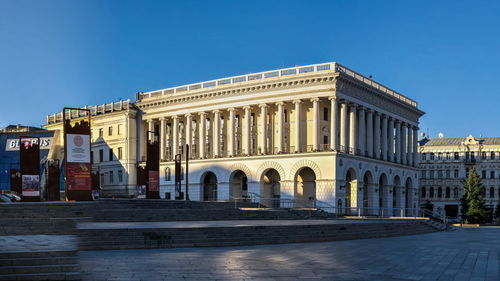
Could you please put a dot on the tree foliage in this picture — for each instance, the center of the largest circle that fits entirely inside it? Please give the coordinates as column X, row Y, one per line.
column 473, row 206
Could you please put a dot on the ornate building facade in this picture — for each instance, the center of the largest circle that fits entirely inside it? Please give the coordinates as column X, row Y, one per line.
column 310, row 135
column 445, row 164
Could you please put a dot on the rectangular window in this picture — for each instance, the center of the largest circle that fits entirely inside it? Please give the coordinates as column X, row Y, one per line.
column 102, row 179
column 472, row 156
column 120, row 176
column 167, row 174
column 424, row 156
column 431, row 174
column 483, row 174
column 101, row 155
column 456, row 156
column 424, row 173
column 455, row 173
column 440, row 174
column 432, row 156
column 492, row 174
column 101, row 132
column 110, row 154
column 325, row 113
column 448, row 174
column 448, row 156
column 492, row 155
column 120, row 129
column 110, row 176
column 325, row 139
column 483, row 155
column 110, row 131
column 286, row 116
column 440, row 156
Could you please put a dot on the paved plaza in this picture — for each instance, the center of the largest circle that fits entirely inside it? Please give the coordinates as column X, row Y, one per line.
column 464, row 254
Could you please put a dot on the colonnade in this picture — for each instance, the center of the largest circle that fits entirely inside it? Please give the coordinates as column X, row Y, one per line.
column 289, row 127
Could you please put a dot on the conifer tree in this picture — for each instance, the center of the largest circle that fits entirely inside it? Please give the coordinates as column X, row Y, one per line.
column 473, row 207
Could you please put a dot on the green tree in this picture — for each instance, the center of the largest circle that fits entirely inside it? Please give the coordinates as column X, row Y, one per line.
column 496, row 215
column 473, row 207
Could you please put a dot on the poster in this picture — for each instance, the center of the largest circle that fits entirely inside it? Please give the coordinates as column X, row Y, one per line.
column 141, row 191
column 154, row 184
column 30, row 185
column 79, row 177
column 78, row 148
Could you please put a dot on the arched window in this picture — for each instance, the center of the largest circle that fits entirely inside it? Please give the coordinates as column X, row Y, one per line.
column 455, row 192
column 423, row 192
column 447, row 192
column 492, row 192
column 440, row 192
column 431, row 192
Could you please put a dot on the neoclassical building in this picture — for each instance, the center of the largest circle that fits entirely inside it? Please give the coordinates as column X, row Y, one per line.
column 312, row 135
column 445, row 164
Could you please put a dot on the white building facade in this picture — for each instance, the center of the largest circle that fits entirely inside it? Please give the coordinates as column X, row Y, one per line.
column 312, row 135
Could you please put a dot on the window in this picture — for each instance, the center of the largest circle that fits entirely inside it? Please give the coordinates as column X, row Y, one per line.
column 440, row 192
column 101, row 155
column 472, row 156
column 492, row 192
column 424, row 156
column 120, row 129
column 167, row 174
column 448, row 156
column 447, row 193
column 110, row 131
column 440, row 156
column 492, row 155
column 484, row 192
column 440, row 174
column 325, row 114
column 492, row 174
column 423, row 192
column 483, row 174
column 432, row 156
column 483, row 155
column 325, row 139
column 120, row 153
column 456, row 173
column 424, row 172
column 431, row 192
column 102, row 179
column 101, row 132
column 448, row 174
column 456, row 156
column 455, row 192
column 110, row 176
column 286, row 116
column 110, row 154
column 431, row 174
column 92, row 157
column 120, row 176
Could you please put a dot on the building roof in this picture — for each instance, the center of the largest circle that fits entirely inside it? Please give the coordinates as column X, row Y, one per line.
column 458, row 141
column 20, row 129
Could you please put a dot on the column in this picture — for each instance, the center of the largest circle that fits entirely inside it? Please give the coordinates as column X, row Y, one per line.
column 216, row 134
column 189, row 138
column 263, row 128
column 297, row 125
column 398, row 142
column 175, row 135
column 384, row 137
column 390, row 139
column 353, row 128
column 280, row 126
column 362, row 131
column 409, row 145
column 231, row 132
column 316, row 125
column 344, row 137
column 403, row 143
column 333, row 123
column 247, row 130
column 376, row 140
column 202, row 134
column 163, row 133
column 151, row 126
column 415, row 148
column 369, row 132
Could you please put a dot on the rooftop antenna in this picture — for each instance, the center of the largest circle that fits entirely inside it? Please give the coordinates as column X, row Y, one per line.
column 440, row 135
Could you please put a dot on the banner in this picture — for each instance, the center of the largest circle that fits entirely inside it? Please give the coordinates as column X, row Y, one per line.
column 78, row 148
column 13, row 144
column 154, row 184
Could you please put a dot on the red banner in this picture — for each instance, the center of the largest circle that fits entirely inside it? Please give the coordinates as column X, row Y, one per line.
column 154, row 184
column 78, row 176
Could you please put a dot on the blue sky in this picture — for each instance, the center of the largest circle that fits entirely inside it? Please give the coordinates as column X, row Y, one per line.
column 443, row 54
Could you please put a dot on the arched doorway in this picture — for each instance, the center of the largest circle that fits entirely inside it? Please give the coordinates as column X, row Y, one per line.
column 270, row 189
column 350, row 191
column 209, row 181
column 239, row 185
column 409, row 198
column 383, row 194
column 367, row 199
column 396, row 196
column 305, row 188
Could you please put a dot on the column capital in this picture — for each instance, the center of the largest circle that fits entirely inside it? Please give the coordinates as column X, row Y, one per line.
column 390, row 118
column 202, row 113
column 231, row 109
column 162, row 118
column 415, row 128
column 297, row 101
column 187, row 115
column 333, row 98
column 314, row 99
column 174, row 117
column 262, row 105
column 408, row 125
column 216, row 111
column 361, row 107
column 280, row 103
column 247, row 107
column 352, row 105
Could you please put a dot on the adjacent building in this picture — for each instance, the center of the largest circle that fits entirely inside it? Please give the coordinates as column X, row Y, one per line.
column 445, row 164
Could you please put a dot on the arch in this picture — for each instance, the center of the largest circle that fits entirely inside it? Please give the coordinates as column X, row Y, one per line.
column 270, row 188
column 305, row 163
column 367, row 189
column 264, row 167
column 209, row 186
column 238, row 184
column 305, row 187
column 383, row 193
column 351, row 186
column 242, row 167
column 409, row 197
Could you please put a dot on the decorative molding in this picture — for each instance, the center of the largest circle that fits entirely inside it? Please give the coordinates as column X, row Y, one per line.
column 303, row 164
column 270, row 165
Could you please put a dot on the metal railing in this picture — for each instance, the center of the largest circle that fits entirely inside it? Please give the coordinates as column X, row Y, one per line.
column 332, row 67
